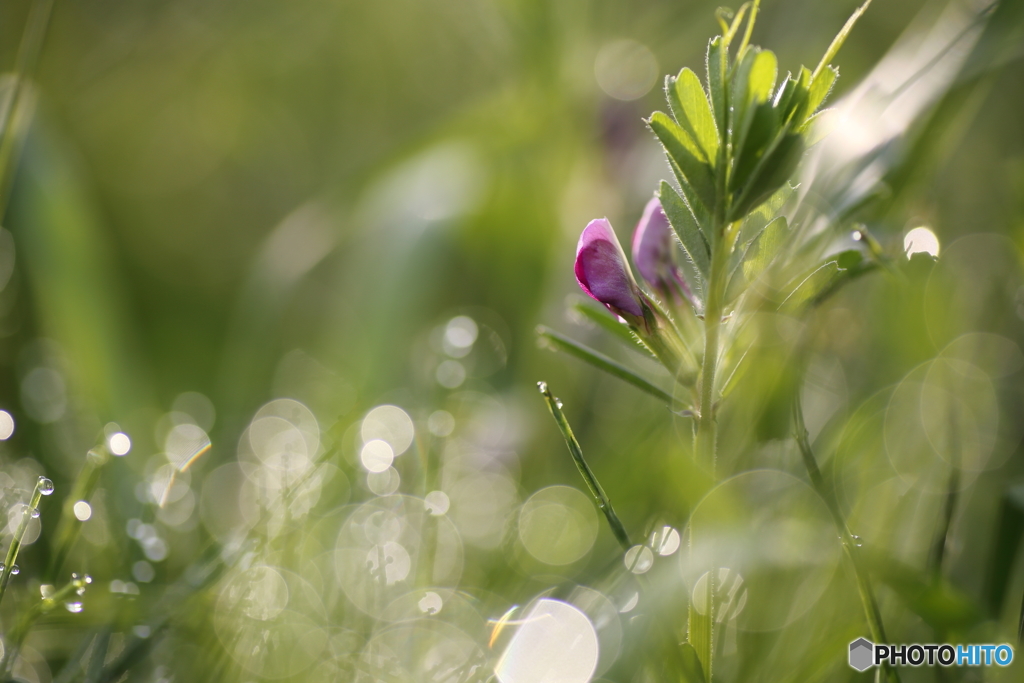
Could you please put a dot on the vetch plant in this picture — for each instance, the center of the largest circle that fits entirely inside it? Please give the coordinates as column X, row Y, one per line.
column 733, row 144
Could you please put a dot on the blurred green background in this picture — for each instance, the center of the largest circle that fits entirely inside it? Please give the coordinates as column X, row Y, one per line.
column 292, row 199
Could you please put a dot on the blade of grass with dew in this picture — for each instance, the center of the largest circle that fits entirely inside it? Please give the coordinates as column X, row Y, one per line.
column 600, row 497
column 68, row 526
column 601, row 362
column 44, row 487
column 70, row 591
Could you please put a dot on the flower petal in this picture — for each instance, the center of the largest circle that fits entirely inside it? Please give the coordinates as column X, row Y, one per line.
column 602, row 271
column 652, row 245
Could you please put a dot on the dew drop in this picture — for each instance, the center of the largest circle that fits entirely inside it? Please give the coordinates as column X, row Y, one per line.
column 87, row 579
column 45, row 486
column 2, row 566
column 73, row 607
column 34, row 513
column 15, row 570
column 80, row 591
column 558, row 402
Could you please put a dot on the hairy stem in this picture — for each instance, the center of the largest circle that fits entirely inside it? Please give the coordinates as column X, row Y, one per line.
column 706, row 442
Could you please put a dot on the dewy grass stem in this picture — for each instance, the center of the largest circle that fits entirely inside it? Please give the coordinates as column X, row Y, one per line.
column 68, row 525
column 600, row 497
column 70, row 591
column 44, row 487
column 850, row 545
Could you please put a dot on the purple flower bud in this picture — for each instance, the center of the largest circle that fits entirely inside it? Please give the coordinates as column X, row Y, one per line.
column 602, row 271
column 654, row 253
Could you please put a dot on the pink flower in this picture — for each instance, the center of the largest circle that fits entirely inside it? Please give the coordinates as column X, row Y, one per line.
column 654, row 253
column 602, row 271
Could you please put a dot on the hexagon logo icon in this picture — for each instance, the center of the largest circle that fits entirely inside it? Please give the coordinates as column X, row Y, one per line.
column 862, row 653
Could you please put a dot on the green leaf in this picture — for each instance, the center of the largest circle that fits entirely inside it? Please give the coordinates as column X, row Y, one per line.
column 690, row 662
column 811, row 286
column 717, row 61
column 821, row 86
column 600, row 361
column 751, row 86
column 820, row 126
column 762, row 77
column 701, row 213
column 701, row 627
column 735, row 374
column 765, row 213
column 692, row 110
column 738, row 91
column 825, row 280
column 686, row 228
column 762, row 130
column 795, row 97
column 684, row 152
column 852, row 265
column 757, row 256
column 775, row 168
column 606, row 322
column 785, row 93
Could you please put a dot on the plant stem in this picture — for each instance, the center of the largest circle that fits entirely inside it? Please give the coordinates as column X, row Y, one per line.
column 28, row 56
column 68, row 525
column 706, row 441
column 29, row 617
column 850, row 545
column 600, row 497
column 19, row 534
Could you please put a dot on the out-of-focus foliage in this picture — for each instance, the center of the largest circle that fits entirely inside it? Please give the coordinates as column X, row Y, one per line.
column 296, row 252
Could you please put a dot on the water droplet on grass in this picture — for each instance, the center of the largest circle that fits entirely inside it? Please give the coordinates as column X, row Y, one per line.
column 45, row 486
